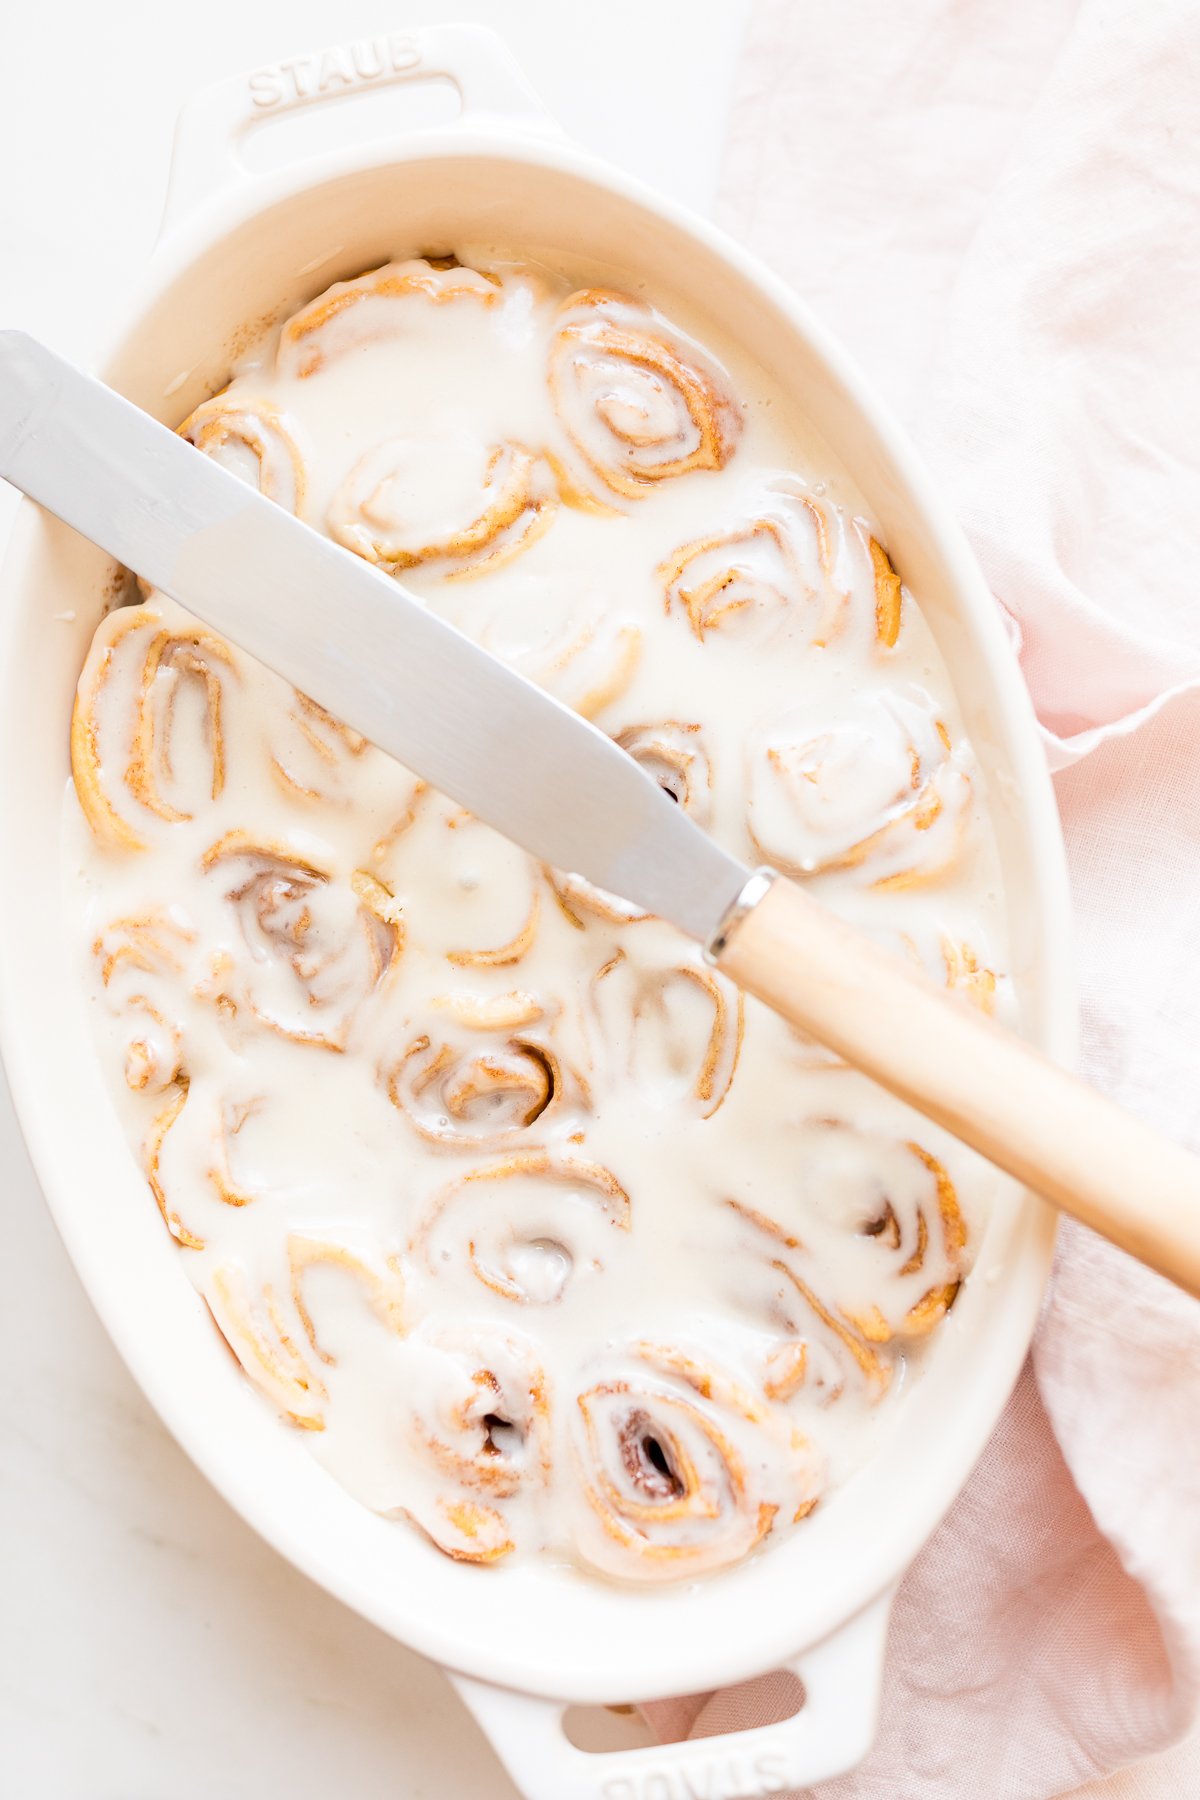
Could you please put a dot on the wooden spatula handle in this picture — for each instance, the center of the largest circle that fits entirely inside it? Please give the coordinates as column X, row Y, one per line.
column 1058, row 1136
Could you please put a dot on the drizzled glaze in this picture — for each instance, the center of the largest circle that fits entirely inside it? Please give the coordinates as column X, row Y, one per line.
column 545, row 1237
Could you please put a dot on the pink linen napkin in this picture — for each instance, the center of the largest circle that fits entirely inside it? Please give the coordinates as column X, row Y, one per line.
column 996, row 203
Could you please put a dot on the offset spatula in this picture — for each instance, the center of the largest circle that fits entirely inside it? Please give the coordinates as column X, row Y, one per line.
column 355, row 640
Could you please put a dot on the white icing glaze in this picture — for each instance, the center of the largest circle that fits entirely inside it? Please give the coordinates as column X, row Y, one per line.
column 546, row 1238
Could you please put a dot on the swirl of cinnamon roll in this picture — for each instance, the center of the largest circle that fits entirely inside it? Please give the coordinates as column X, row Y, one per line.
column 480, row 1432
column 586, row 657
column 954, row 962
column 378, row 304
column 491, row 1012
column 874, row 1258
column 892, row 1226
column 411, row 791
column 264, row 1327
column 676, row 1033
column 452, row 504
column 188, row 1154
column 312, row 754
column 673, row 753
column 252, row 440
column 141, row 958
column 379, row 1285
column 639, row 402
column 255, row 1327
column 578, row 898
column 526, row 1226
column 147, row 729
column 684, row 1468
column 797, row 567
column 966, row 975
column 501, row 956
column 816, row 1350
column 878, row 788
column 479, row 903
column 153, row 1147
column 481, row 1095
column 187, row 1150
column 316, row 948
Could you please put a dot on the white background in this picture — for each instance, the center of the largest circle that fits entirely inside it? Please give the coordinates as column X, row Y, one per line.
column 151, row 1648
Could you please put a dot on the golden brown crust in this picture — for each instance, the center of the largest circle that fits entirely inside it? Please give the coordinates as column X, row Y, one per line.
column 600, row 327
column 254, row 1328
column 888, row 595
column 301, row 350
column 515, row 507
column 257, row 426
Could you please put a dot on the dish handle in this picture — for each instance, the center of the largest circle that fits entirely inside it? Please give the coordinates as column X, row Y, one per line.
column 205, row 157
column 831, row 1733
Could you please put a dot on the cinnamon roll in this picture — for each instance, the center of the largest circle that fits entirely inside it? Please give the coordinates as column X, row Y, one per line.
column 673, row 1462
column 639, row 402
column 527, row 1226
column 673, row 753
column 190, row 1153
column 254, row 1326
column 311, row 949
column 674, row 1032
column 252, row 439
column 147, row 730
column 481, row 1439
column 452, row 504
column 379, row 1286
column 579, row 649
column 873, row 1261
column 593, row 671
column 281, row 1334
column 501, row 956
column 878, row 787
column 472, row 900
column 233, row 1115
column 468, row 1094
column 377, row 305
column 798, row 568
column 141, row 959
column 814, row 1350
column 153, row 1149
column 313, row 754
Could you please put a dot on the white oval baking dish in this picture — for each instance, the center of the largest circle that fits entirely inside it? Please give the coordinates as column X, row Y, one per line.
column 522, row 1642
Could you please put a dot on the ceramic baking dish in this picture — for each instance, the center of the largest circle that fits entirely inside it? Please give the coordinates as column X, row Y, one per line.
column 237, row 249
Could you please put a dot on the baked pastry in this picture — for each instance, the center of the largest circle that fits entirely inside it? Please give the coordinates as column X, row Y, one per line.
column 639, row 402
column 878, row 788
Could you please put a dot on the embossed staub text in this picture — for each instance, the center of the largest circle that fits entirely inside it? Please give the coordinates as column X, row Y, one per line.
column 329, row 71
column 723, row 1778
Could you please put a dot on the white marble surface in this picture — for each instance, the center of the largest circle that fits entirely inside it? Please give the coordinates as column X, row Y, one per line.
column 150, row 1644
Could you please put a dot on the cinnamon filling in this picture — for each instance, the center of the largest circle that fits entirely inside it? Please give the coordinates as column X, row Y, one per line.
column 501, row 1436
column 646, row 1461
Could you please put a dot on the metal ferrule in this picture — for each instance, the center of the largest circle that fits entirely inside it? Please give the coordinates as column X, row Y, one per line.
column 754, row 891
